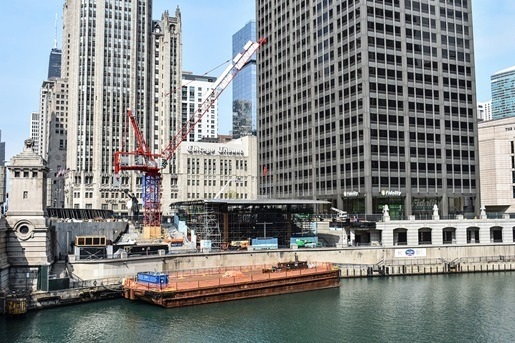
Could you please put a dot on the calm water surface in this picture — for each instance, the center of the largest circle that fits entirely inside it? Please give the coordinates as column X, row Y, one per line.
column 445, row 308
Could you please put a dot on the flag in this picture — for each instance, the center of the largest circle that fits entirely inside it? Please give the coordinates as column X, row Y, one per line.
column 265, row 171
column 62, row 173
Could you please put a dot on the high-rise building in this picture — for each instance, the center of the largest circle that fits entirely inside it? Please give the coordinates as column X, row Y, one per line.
column 369, row 103
column 244, row 86
column 54, row 63
column 36, row 132
column 484, row 110
column 2, row 150
column 195, row 88
column 115, row 58
column 503, row 93
column 53, row 111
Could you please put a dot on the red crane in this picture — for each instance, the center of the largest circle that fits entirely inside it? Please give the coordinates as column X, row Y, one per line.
column 147, row 162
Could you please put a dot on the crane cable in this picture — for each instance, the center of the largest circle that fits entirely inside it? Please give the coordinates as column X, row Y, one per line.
column 207, row 72
column 126, row 129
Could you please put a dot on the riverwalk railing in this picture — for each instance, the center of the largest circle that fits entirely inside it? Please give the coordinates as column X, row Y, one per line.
column 488, row 259
column 105, row 282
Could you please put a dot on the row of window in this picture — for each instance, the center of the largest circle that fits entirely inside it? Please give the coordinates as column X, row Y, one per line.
column 26, row 174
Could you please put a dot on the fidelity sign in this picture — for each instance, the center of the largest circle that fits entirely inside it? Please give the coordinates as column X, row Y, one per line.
column 222, row 151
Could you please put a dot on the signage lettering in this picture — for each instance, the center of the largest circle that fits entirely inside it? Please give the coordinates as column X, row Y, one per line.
column 350, row 194
column 222, row 151
column 391, row 193
column 193, row 149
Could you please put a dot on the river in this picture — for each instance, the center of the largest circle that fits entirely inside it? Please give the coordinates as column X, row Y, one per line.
column 441, row 308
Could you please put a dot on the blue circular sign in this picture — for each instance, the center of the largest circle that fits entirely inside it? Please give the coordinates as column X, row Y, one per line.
column 410, row 252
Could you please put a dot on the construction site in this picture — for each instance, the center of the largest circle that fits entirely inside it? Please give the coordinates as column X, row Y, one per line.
column 222, row 221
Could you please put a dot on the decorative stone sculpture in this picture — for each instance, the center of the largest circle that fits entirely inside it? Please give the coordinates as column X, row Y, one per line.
column 386, row 213
column 386, row 210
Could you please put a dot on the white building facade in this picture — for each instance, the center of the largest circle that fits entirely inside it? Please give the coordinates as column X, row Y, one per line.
column 36, row 132
column 205, row 170
column 195, row 89
column 497, row 164
column 484, row 110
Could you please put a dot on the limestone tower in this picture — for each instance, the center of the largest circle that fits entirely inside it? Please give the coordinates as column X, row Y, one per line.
column 28, row 250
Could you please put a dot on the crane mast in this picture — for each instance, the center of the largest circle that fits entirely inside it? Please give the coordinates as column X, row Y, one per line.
column 146, row 161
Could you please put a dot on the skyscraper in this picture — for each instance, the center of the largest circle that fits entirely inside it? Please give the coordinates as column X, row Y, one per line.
column 36, row 132
column 116, row 58
column 53, row 111
column 2, row 150
column 54, row 63
column 244, row 86
column 503, row 93
column 195, row 88
column 369, row 103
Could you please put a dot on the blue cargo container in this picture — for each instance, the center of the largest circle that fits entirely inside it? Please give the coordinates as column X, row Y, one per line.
column 155, row 278
column 262, row 243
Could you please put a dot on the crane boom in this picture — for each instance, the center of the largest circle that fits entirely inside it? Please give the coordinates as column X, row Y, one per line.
column 222, row 82
column 151, row 182
column 234, row 179
column 142, row 150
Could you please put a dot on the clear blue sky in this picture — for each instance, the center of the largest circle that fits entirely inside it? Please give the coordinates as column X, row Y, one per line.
column 28, row 30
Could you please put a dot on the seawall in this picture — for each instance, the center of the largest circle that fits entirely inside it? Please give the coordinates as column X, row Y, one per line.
column 467, row 257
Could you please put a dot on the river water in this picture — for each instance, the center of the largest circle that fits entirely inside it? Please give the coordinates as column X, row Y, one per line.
column 442, row 308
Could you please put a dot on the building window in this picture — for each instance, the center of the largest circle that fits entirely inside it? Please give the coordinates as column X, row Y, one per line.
column 25, row 194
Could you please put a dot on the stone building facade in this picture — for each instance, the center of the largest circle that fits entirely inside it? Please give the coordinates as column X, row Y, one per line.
column 28, row 249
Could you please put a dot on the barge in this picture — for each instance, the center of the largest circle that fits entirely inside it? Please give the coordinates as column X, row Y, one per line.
column 197, row 287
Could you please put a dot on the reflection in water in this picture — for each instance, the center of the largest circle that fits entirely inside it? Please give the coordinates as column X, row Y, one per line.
column 444, row 308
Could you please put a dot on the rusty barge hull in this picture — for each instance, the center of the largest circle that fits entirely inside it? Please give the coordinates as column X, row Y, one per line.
column 298, row 282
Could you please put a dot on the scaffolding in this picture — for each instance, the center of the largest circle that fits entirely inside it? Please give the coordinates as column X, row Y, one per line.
column 223, row 222
column 204, row 219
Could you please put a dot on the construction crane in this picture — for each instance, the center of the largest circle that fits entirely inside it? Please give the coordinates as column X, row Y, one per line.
column 146, row 161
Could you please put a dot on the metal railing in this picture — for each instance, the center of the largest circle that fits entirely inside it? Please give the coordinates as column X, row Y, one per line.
column 212, row 277
column 488, row 259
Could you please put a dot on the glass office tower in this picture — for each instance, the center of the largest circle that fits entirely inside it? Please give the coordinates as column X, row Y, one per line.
column 503, row 93
column 244, row 86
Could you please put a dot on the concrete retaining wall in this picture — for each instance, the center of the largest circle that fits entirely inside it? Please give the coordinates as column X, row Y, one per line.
column 119, row 268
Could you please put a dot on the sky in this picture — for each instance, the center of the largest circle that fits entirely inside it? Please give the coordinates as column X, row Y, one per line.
column 28, row 28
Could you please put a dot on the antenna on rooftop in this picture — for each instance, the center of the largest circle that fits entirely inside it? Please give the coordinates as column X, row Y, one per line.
column 55, row 37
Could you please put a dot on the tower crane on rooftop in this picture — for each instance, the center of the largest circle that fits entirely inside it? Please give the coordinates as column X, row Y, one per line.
column 146, row 161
